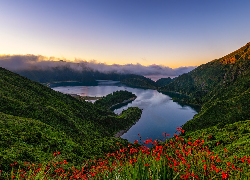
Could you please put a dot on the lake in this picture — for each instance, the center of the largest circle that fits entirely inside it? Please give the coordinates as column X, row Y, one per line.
column 160, row 113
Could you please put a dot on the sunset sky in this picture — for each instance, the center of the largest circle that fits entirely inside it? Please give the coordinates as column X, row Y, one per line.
column 172, row 33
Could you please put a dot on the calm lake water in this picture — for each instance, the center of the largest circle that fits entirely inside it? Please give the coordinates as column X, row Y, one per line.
column 160, row 114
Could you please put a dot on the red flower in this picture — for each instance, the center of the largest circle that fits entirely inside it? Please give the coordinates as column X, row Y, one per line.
column 224, row 175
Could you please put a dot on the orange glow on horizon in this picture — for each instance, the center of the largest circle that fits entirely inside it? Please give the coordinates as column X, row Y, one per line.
column 173, row 64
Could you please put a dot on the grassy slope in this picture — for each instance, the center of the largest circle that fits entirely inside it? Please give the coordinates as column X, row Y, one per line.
column 88, row 128
column 23, row 97
column 29, row 140
column 221, row 86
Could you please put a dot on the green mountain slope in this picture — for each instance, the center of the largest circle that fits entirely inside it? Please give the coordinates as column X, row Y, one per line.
column 29, row 108
column 29, row 140
column 221, row 87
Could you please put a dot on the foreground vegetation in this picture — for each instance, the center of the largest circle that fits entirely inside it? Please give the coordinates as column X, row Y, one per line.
column 176, row 158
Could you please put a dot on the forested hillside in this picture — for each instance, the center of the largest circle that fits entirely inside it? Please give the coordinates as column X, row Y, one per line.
column 36, row 121
column 164, row 81
column 115, row 98
column 221, row 86
column 140, row 81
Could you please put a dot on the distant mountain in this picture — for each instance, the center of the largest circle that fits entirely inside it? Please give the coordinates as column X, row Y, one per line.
column 57, row 74
column 140, row 81
column 66, row 73
column 221, row 86
column 164, row 81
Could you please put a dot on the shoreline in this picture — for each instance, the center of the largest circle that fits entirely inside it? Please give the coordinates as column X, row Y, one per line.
column 123, row 102
column 120, row 133
column 85, row 97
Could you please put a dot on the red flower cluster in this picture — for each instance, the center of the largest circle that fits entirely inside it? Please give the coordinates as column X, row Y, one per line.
column 187, row 159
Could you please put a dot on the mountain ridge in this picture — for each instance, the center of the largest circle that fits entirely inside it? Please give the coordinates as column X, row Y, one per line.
column 222, row 88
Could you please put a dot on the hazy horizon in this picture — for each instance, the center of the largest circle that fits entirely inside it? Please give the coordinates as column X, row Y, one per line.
column 31, row 62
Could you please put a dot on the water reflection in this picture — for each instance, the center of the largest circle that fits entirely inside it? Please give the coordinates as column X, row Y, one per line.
column 182, row 104
column 160, row 113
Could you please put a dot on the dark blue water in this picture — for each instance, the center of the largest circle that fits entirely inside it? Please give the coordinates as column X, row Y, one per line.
column 160, row 114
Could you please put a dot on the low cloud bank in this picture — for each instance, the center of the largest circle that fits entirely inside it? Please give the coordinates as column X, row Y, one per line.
column 33, row 62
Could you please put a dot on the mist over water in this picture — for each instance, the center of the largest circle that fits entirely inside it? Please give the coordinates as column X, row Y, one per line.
column 160, row 114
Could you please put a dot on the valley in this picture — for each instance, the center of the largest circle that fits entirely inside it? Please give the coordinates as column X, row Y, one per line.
column 37, row 121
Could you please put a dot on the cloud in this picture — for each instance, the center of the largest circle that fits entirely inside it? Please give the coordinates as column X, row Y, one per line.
column 26, row 62
column 31, row 62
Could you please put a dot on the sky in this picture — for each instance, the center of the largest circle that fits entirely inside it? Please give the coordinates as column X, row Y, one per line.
column 170, row 33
